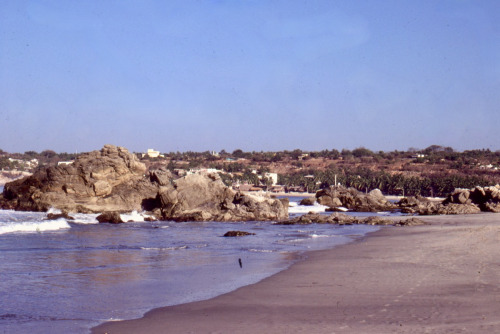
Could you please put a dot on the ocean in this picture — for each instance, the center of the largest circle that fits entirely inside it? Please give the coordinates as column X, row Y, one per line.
column 67, row 276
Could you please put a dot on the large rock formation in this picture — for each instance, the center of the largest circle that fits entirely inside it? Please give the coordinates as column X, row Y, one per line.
column 200, row 197
column 460, row 201
column 113, row 179
column 353, row 199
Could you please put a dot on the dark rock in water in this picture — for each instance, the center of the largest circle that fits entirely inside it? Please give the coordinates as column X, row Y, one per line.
column 112, row 217
column 113, row 179
column 237, row 234
column 353, row 199
column 308, row 201
column 54, row 216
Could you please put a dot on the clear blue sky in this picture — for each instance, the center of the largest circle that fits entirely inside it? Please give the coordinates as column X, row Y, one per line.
column 254, row 75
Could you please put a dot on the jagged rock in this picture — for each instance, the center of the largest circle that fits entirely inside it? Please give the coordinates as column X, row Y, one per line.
column 237, row 234
column 460, row 201
column 112, row 217
column 353, row 199
column 113, row 179
column 308, row 201
column 198, row 197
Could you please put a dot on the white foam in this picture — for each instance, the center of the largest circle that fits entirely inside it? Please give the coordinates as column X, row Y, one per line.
column 84, row 218
column 307, row 208
column 261, row 250
column 34, row 226
column 134, row 216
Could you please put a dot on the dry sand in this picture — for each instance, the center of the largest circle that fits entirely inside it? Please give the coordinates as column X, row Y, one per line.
column 440, row 278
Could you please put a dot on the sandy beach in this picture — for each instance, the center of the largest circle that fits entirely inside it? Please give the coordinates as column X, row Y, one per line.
column 439, row 278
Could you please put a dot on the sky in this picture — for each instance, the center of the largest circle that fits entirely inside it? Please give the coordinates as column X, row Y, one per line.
column 255, row 75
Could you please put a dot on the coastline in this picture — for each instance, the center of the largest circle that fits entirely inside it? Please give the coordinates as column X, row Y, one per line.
column 435, row 278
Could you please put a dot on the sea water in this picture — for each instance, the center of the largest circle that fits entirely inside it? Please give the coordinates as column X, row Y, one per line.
column 66, row 276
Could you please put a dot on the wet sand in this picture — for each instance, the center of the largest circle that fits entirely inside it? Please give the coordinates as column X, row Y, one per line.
column 438, row 278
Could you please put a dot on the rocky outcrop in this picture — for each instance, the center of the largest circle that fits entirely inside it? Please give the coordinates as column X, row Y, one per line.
column 353, row 199
column 460, row 201
column 343, row 219
column 198, row 197
column 485, row 198
column 113, row 179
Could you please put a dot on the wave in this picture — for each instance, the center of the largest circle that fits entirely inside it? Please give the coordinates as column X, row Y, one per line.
column 34, row 226
column 261, row 250
column 134, row 216
column 298, row 209
column 165, row 248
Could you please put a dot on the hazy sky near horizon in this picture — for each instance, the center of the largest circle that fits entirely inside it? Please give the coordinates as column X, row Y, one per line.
column 254, row 75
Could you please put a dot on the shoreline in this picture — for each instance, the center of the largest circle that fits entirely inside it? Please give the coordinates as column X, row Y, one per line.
column 435, row 278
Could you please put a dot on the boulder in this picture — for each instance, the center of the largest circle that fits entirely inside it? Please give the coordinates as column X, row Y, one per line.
column 111, row 179
column 54, row 216
column 198, row 197
column 308, row 201
column 459, row 201
column 353, row 199
column 112, row 217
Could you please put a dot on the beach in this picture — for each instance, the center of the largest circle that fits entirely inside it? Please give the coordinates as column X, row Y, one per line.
column 437, row 278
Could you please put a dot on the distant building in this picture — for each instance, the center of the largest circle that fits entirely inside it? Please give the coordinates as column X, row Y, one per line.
column 204, row 171
column 152, row 154
column 65, row 163
column 25, row 163
column 215, row 154
column 273, row 177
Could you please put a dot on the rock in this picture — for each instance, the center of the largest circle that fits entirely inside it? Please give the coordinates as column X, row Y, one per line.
column 112, row 217
column 410, row 222
column 106, row 180
column 343, row 219
column 316, row 218
column 54, row 216
column 354, row 200
column 460, row 201
column 113, row 179
column 199, row 197
column 375, row 220
column 308, row 201
column 237, row 234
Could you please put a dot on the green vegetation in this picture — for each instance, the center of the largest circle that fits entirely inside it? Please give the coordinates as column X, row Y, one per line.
column 433, row 171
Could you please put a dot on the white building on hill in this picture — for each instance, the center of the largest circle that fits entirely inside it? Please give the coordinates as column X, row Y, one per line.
column 152, row 154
